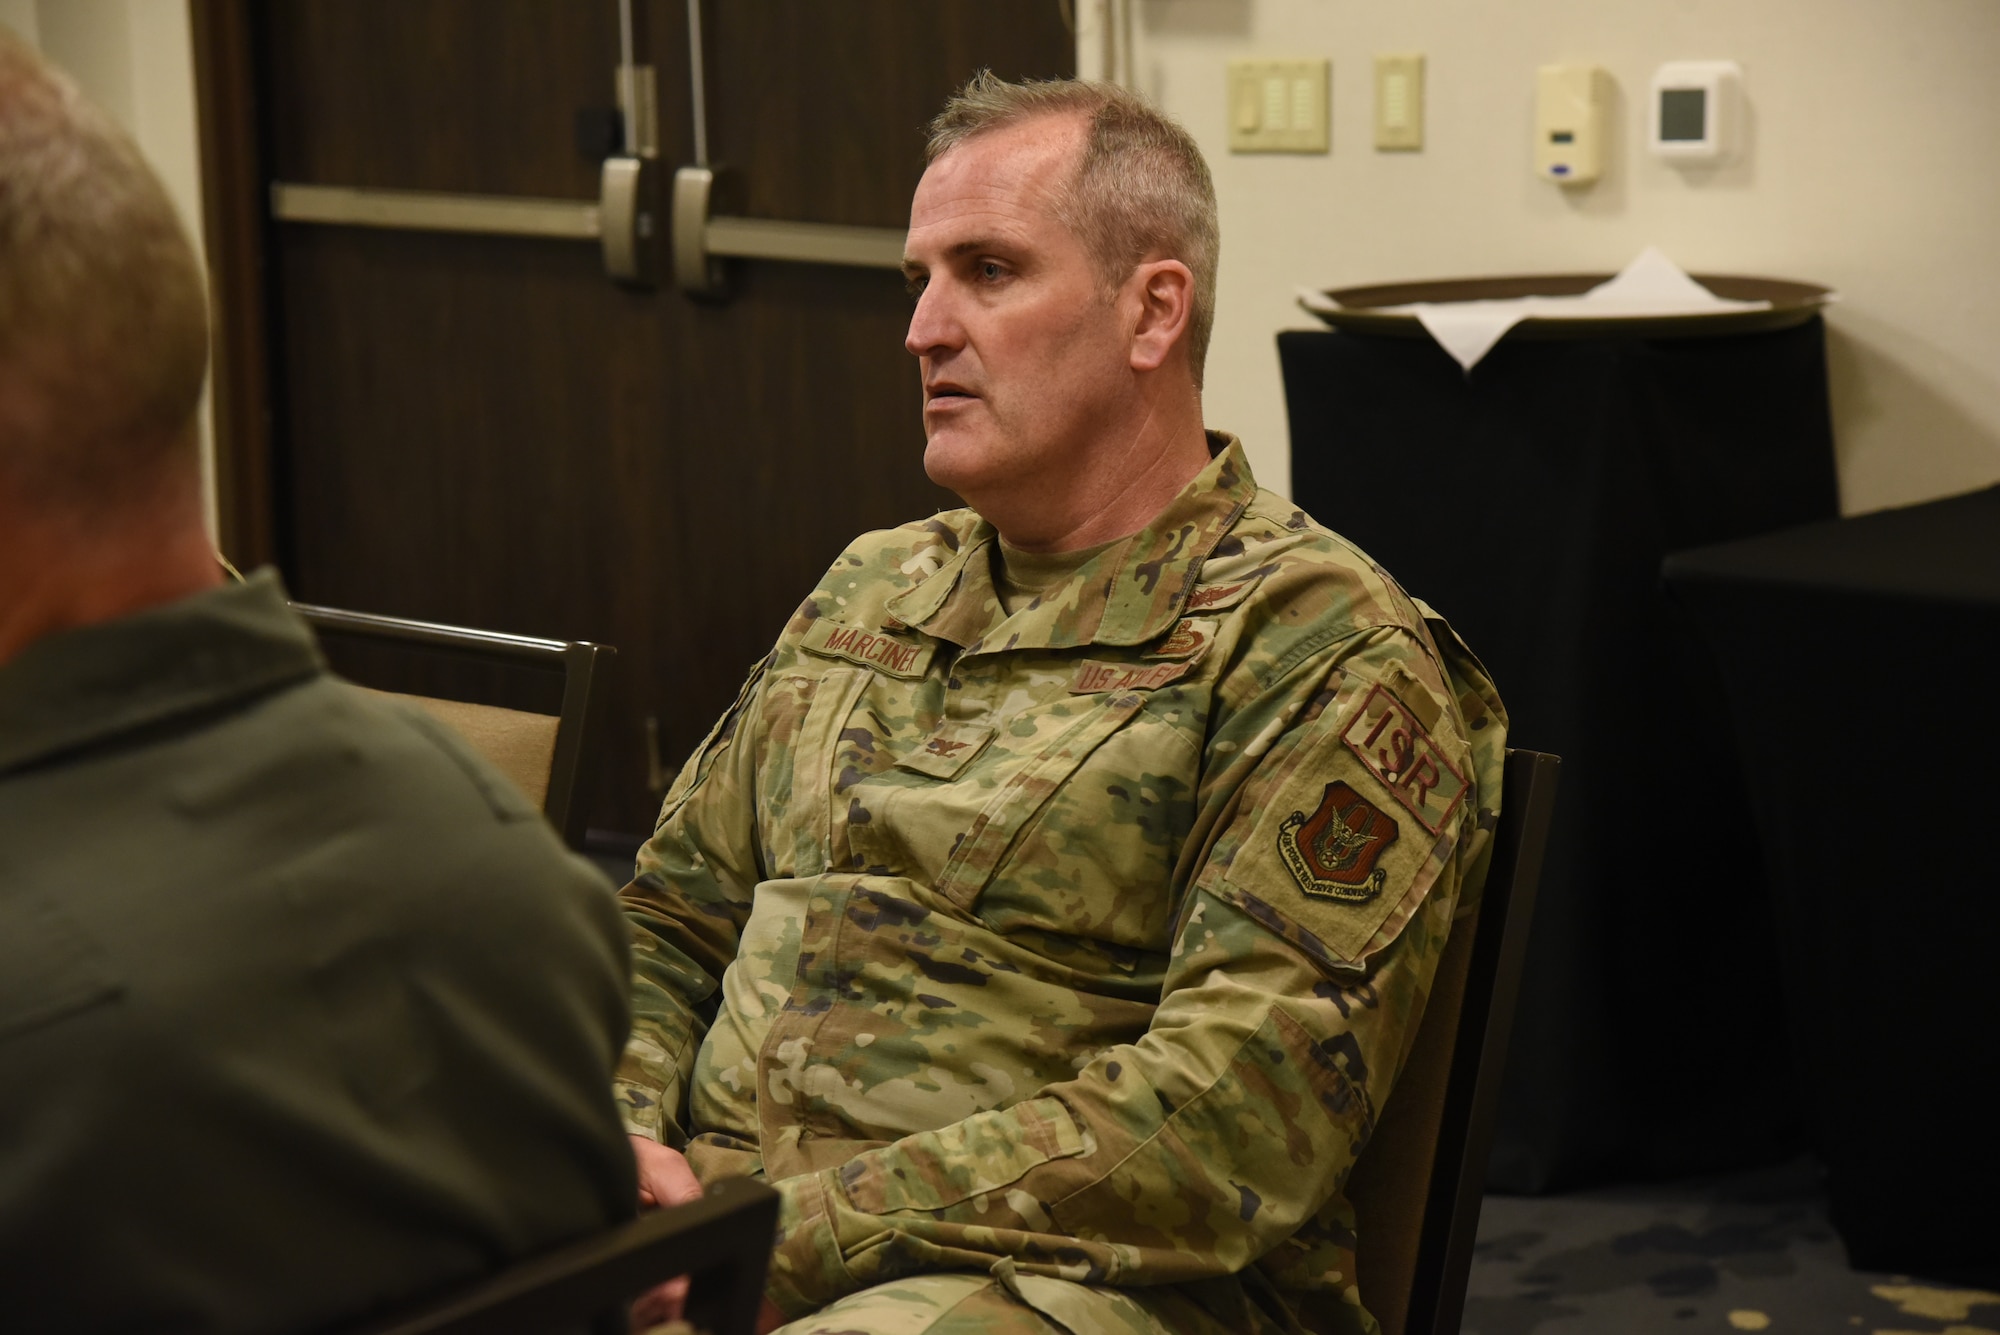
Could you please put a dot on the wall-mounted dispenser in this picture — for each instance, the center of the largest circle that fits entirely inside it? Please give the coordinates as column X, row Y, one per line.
column 1572, row 105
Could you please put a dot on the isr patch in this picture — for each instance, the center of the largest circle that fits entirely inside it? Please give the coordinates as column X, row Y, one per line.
column 1387, row 738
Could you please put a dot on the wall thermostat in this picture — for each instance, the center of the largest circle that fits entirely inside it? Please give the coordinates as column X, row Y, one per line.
column 1697, row 110
column 1570, row 102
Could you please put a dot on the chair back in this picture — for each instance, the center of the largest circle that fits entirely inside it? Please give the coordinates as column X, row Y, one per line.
column 545, row 754
column 1417, row 1187
column 519, row 743
column 723, row 1241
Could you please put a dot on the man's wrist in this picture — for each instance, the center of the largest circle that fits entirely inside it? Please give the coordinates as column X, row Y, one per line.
column 640, row 1109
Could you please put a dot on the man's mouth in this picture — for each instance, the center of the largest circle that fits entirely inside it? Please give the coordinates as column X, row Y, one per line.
column 946, row 392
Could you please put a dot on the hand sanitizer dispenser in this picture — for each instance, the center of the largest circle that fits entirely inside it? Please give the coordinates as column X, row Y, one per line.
column 1570, row 112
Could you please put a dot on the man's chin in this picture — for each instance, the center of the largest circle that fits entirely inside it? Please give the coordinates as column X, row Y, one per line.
column 957, row 462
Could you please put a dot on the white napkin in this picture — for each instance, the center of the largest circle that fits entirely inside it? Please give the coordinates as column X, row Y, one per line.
column 1650, row 285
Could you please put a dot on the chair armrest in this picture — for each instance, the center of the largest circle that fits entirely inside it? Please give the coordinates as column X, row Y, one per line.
column 722, row 1240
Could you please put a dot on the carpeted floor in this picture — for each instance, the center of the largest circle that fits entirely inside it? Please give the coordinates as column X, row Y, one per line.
column 1746, row 1252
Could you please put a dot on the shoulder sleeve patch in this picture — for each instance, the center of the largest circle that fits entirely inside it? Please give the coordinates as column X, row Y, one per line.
column 1396, row 749
column 1333, row 853
column 1354, row 831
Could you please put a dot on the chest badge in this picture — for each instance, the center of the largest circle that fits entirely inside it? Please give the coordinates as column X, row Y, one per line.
column 948, row 750
column 1188, row 640
column 1216, row 597
column 1332, row 853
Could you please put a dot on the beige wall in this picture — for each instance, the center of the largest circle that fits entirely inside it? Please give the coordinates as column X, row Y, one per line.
column 1874, row 138
column 1870, row 167
column 135, row 59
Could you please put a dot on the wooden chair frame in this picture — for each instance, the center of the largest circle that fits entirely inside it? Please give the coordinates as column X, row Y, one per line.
column 579, row 662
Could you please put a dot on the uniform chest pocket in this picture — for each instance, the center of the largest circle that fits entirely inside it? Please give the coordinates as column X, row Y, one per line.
column 805, row 715
column 1023, row 779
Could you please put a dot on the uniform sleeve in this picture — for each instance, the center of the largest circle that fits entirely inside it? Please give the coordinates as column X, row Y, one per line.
column 686, row 907
column 1321, row 889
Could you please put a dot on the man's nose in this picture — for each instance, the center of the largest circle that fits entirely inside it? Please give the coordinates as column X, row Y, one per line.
column 934, row 327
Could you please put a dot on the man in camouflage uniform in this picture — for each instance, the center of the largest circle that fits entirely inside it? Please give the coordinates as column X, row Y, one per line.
column 1049, row 917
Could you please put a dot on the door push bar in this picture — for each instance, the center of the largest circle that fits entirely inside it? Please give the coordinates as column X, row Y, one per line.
column 622, row 221
column 702, row 241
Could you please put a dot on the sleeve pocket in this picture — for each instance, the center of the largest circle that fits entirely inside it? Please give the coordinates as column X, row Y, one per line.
column 49, row 967
column 985, row 1152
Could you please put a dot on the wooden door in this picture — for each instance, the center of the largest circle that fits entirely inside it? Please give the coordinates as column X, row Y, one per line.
column 484, row 430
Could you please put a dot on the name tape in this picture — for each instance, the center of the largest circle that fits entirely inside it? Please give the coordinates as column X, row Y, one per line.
column 885, row 653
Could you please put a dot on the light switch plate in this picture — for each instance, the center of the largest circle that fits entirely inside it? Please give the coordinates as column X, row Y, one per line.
column 1278, row 106
column 1399, row 102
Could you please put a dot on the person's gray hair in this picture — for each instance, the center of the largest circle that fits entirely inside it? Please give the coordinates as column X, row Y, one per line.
column 1141, row 189
column 103, row 317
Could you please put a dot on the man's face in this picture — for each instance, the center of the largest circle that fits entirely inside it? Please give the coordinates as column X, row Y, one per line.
column 1021, row 348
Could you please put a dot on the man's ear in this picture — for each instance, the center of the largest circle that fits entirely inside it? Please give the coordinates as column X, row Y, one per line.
column 1164, row 292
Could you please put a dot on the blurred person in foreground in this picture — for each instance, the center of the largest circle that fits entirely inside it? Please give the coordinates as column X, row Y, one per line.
column 303, row 1010
column 1050, row 916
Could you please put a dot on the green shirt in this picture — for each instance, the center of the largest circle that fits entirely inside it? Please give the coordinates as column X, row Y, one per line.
column 1021, row 577
column 303, row 1009
column 1087, row 936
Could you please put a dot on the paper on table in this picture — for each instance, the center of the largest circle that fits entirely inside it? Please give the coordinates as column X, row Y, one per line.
column 1652, row 284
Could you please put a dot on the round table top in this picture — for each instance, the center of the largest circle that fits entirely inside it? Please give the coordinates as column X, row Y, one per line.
column 1792, row 303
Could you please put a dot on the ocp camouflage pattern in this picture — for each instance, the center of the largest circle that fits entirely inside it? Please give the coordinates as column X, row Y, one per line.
column 978, row 937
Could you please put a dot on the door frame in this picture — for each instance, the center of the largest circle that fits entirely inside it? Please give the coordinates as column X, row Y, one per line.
column 236, row 219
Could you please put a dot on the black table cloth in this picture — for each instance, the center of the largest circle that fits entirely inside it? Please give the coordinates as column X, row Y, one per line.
column 1862, row 664
column 1531, row 501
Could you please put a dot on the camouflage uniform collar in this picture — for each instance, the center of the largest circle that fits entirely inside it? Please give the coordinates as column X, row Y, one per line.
column 1128, row 594
column 85, row 686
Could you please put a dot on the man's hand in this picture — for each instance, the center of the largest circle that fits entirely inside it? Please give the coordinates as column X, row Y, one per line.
column 664, row 1179
column 664, row 1175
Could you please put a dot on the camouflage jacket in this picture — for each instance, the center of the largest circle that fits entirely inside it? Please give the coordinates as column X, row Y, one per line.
column 1086, row 941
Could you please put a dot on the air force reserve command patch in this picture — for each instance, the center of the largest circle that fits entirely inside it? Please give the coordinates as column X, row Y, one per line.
column 1332, row 853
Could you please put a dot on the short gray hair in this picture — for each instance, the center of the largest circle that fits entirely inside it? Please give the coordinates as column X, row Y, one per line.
column 1142, row 187
column 103, row 318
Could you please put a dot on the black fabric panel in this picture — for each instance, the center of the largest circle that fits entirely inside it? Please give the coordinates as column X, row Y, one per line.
column 1530, row 502
column 1859, row 658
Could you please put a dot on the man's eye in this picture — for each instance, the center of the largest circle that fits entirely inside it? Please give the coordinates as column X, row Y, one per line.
column 991, row 271
column 915, row 287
